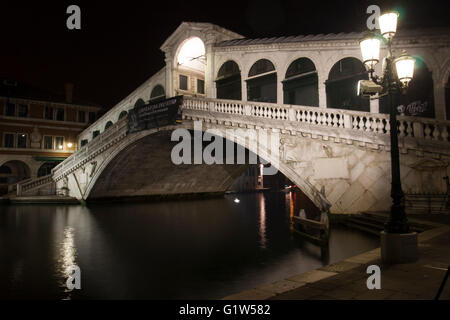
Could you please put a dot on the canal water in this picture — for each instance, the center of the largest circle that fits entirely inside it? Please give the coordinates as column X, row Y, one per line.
column 204, row 249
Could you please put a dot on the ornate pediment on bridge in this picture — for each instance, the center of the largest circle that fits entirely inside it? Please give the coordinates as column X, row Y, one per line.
column 208, row 32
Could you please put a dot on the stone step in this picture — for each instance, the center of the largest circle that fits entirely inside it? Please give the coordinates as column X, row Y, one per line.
column 363, row 228
column 414, row 223
column 377, row 222
column 364, row 222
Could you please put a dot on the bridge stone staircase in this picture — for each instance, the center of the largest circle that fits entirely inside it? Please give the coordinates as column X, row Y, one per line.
column 373, row 222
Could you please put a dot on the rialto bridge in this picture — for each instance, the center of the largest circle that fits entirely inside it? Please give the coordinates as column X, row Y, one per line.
column 333, row 144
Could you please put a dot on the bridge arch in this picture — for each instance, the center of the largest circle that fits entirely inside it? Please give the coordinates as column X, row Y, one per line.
column 133, row 144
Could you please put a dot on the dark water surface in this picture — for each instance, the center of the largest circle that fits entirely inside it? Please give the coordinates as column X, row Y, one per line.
column 171, row 250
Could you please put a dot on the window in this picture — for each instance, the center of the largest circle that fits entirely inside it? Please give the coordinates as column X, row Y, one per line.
column 48, row 142
column 59, row 143
column 183, row 82
column 48, row 113
column 81, row 116
column 84, row 142
column 108, row 125
column 201, row 86
column 91, row 117
column 8, row 140
column 60, row 114
column 10, row 109
column 21, row 140
column 95, row 133
column 22, row 110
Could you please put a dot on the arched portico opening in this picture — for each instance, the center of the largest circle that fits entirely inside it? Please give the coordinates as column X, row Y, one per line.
column 190, row 63
column 157, row 94
column 228, row 82
column 341, row 86
column 300, row 86
column 108, row 125
column 12, row 172
column 262, row 82
column 419, row 98
column 139, row 102
column 122, row 115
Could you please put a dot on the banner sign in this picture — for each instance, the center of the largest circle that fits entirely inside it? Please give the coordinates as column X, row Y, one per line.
column 155, row 115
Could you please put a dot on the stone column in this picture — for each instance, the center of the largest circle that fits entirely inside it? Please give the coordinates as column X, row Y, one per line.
column 243, row 87
column 169, row 74
column 322, row 89
column 209, row 69
column 280, row 97
column 375, row 106
column 439, row 102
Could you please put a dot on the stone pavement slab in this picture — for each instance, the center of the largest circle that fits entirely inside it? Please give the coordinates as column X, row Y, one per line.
column 347, row 279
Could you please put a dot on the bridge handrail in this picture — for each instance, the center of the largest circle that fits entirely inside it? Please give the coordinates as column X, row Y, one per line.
column 27, row 185
column 94, row 145
column 408, row 126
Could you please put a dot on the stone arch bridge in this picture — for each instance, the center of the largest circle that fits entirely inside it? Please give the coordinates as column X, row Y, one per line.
column 300, row 89
column 339, row 158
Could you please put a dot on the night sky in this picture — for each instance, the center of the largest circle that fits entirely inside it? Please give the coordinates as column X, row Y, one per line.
column 118, row 46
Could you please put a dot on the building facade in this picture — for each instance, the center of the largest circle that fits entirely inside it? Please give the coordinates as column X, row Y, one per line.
column 38, row 130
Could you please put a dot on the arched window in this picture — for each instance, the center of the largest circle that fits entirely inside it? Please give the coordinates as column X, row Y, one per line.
column 95, row 133
column 341, row 86
column 139, row 103
column 228, row 82
column 108, row 125
column 300, row 85
column 122, row 114
column 157, row 94
column 262, row 82
column 419, row 98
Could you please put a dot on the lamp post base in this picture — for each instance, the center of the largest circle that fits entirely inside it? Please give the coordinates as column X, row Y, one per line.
column 399, row 247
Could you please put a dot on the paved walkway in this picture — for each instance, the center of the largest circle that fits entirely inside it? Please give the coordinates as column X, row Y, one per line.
column 347, row 279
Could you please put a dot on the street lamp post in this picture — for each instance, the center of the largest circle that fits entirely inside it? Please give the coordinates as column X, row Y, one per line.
column 397, row 73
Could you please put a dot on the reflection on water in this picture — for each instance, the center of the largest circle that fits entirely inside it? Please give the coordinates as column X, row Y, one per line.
column 68, row 253
column 171, row 250
column 262, row 222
